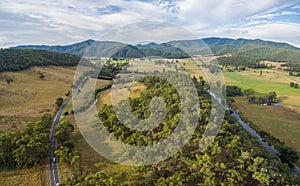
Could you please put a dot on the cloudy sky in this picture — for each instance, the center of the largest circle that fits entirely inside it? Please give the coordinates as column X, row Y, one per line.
column 68, row 21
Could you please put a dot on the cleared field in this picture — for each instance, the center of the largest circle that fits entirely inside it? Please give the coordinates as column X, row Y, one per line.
column 34, row 176
column 104, row 98
column 28, row 95
column 281, row 122
column 271, row 80
column 275, row 65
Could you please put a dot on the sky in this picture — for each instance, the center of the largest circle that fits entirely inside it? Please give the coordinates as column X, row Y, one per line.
column 62, row 22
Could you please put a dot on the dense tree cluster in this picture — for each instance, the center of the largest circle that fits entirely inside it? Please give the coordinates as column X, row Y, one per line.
column 240, row 62
column 268, row 99
column 65, row 150
column 109, row 69
column 26, row 148
column 294, row 85
column 233, row 91
column 234, row 158
column 21, row 59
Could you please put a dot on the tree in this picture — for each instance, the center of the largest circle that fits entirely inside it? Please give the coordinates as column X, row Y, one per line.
column 41, row 75
column 63, row 131
column 272, row 96
column 59, row 101
column 249, row 92
column 260, row 73
column 288, row 154
column 252, row 99
column 292, row 84
column 9, row 80
column 202, row 82
column 296, row 85
column 68, row 93
column 233, row 91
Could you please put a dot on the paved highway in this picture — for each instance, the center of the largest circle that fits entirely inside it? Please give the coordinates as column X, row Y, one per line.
column 54, row 178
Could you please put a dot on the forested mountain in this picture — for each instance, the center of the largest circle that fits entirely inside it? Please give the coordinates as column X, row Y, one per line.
column 91, row 48
column 250, row 51
column 87, row 48
column 255, row 49
column 20, row 59
column 225, row 45
column 163, row 50
column 128, row 51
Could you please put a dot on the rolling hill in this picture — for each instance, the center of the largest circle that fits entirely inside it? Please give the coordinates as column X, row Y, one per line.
column 21, row 59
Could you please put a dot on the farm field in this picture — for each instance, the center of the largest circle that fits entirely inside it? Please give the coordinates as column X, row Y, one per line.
column 28, row 95
column 271, row 80
column 281, row 122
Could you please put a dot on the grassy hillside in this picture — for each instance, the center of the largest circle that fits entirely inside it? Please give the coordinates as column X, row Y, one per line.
column 28, row 95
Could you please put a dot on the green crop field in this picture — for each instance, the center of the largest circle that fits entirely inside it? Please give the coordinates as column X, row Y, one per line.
column 262, row 84
column 271, row 80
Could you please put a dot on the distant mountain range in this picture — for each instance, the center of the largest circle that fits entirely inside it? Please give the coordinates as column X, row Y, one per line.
column 258, row 49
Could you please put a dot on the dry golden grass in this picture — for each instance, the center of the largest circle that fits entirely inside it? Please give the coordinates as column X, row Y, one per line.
column 29, row 96
column 104, row 98
column 136, row 90
column 191, row 67
column 276, row 65
column 10, row 124
column 34, row 176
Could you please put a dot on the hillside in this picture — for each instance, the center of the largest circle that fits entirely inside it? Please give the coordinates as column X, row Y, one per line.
column 255, row 49
column 91, row 48
column 21, row 59
column 217, row 45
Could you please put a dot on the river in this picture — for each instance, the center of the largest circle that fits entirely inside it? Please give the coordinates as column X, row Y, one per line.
column 247, row 127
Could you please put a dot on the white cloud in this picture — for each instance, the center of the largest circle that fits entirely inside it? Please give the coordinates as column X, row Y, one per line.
column 220, row 12
column 69, row 21
column 296, row 7
column 273, row 15
column 280, row 31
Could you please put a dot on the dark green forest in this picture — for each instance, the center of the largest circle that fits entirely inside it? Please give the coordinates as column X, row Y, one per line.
column 21, row 59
